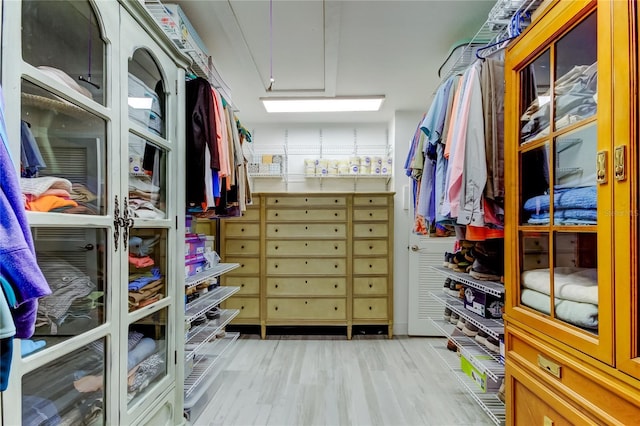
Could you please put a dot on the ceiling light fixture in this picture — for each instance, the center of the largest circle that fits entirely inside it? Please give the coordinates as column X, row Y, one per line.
column 320, row 104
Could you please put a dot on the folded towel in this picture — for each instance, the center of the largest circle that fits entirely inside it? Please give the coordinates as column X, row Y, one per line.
column 570, row 283
column 572, row 198
column 583, row 315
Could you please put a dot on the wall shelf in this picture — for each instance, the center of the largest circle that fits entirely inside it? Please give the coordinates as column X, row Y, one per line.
column 215, row 271
column 199, row 336
column 493, row 327
column 201, row 305
column 489, row 287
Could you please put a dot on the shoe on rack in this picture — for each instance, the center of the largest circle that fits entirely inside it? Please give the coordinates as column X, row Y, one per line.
column 481, row 337
column 447, row 314
column 454, row 289
column 501, row 392
column 447, row 258
column 493, row 345
column 489, row 260
column 446, row 286
column 470, row 329
column 460, row 324
column 454, row 318
column 451, row 345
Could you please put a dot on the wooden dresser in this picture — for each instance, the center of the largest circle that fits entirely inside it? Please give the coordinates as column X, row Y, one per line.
column 571, row 216
column 312, row 259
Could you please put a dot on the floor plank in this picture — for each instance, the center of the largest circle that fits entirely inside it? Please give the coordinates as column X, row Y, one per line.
column 327, row 380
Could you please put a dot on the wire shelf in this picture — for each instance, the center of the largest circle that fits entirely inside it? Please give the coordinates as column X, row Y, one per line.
column 493, row 327
column 215, row 271
column 489, row 402
column 212, row 298
column 489, row 287
column 201, row 335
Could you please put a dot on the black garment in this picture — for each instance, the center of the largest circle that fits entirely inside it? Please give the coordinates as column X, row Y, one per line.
column 201, row 132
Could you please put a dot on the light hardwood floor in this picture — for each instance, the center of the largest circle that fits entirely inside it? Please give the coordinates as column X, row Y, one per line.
column 311, row 380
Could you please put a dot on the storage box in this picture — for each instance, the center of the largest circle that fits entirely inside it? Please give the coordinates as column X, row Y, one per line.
column 187, row 30
column 483, row 304
column 194, row 244
column 474, row 373
column 194, row 264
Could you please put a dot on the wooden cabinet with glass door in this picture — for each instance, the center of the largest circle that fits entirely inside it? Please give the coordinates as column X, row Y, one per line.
column 567, row 133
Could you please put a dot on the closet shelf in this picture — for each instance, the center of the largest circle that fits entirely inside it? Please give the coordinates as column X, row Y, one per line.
column 201, row 305
column 489, row 402
column 194, row 384
column 201, row 335
column 493, row 327
column 488, row 287
column 472, row 350
column 217, row 270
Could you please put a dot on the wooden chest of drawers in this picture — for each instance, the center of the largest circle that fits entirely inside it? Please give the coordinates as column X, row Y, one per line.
column 313, row 259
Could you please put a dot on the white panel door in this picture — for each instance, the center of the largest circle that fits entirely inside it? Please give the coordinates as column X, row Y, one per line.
column 425, row 252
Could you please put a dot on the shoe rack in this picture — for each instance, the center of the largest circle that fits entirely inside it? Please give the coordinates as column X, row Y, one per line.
column 477, row 363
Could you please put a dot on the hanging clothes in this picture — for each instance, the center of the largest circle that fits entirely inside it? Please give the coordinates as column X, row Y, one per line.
column 18, row 263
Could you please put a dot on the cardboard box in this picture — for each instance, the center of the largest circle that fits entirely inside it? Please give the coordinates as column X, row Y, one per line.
column 474, row 373
column 194, row 244
column 187, row 30
column 483, row 304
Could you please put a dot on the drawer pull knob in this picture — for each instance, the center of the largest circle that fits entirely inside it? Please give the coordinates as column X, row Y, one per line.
column 370, row 214
column 305, row 302
column 306, row 262
column 306, row 227
column 242, row 247
column 241, row 307
column 276, row 308
column 242, row 285
column 276, row 201
column 306, row 212
column 549, row 366
column 242, row 265
column 370, row 266
column 335, row 308
column 241, row 229
column 335, row 266
column 335, row 201
column 370, row 201
column 276, row 265
column 336, row 230
column 370, row 308
column 306, row 282
column 276, row 285
column 370, row 230
column 306, row 199
column 306, row 244
column 335, row 247
column 370, row 247
column 276, row 214
column 276, row 247
column 335, row 286
column 370, row 285
column 276, row 230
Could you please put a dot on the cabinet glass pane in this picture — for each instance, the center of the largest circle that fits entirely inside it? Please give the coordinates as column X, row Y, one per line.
column 575, row 195
column 63, row 39
column 147, row 359
column 147, row 267
column 535, row 274
column 67, row 391
column 576, row 74
column 535, row 186
column 73, row 261
column 575, row 279
column 536, row 98
column 146, row 93
column 147, row 179
column 63, row 155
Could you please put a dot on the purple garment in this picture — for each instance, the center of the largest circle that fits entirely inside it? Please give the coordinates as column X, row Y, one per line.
column 18, row 263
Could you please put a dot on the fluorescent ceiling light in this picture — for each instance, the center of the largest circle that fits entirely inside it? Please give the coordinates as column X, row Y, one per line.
column 140, row 103
column 339, row 104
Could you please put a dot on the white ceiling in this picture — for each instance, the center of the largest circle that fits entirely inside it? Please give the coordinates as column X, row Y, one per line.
column 333, row 48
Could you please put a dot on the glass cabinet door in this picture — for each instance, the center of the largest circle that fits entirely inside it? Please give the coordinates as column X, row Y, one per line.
column 558, row 273
column 150, row 152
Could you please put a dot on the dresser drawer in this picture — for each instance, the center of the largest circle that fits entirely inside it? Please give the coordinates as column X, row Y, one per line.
column 248, row 285
column 317, row 230
column 370, row 214
column 249, row 307
column 303, row 202
column 306, row 215
column 370, row 286
column 241, row 247
column 246, row 230
column 535, row 404
column 248, row 266
column 370, row 200
column 306, row 309
column 369, row 230
column 566, row 374
column 306, row 248
column 370, row 308
column 251, row 214
column 306, row 266
column 370, row 247
column 370, row 266
column 307, row 286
